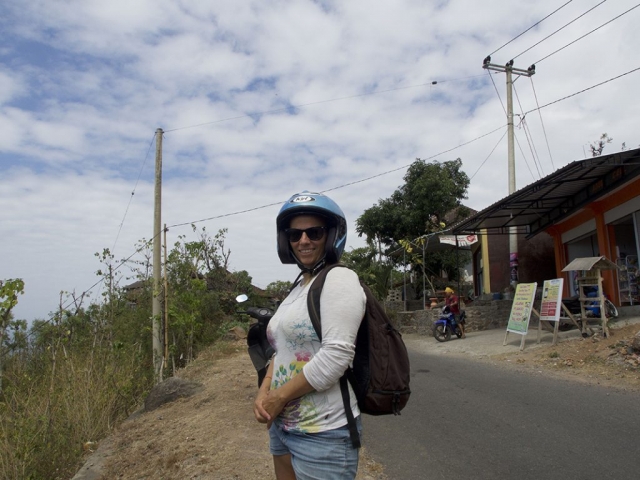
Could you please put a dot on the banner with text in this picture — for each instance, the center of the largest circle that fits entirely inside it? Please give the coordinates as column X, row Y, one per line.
column 462, row 240
column 521, row 308
column 551, row 300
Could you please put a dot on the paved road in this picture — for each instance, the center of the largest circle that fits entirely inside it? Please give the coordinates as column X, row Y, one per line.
column 473, row 420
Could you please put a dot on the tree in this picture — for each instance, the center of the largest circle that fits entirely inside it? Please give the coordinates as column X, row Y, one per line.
column 377, row 274
column 431, row 191
column 430, row 198
column 598, row 146
column 278, row 290
column 9, row 291
column 201, row 292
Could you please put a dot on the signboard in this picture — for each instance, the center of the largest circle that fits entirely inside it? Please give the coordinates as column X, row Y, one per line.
column 551, row 300
column 521, row 308
column 463, row 240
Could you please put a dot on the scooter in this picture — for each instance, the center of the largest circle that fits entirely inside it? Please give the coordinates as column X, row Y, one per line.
column 446, row 324
column 591, row 310
column 260, row 350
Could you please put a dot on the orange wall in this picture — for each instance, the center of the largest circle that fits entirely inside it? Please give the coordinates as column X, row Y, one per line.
column 606, row 239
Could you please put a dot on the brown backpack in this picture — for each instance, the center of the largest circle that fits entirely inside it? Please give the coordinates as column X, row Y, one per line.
column 380, row 373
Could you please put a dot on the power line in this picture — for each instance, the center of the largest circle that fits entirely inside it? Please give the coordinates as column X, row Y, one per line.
column 532, row 149
column 532, row 26
column 122, row 262
column 561, row 28
column 371, row 177
column 544, row 130
column 133, row 191
column 582, row 91
column 488, row 156
column 588, row 33
column 226, row 214
column 338, row 187
column 145, row 244
column 35, row 329
column 504, row 109
column 290, row 107
column 529, row 137
column 506, row 115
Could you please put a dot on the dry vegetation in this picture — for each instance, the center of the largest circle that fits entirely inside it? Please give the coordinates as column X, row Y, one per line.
column 213, row 434
column 606, row 361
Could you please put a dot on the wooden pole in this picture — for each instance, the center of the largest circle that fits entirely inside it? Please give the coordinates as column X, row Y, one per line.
column 156, row 309
column 166, row 302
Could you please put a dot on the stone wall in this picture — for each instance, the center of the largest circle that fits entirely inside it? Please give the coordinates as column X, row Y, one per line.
column 480, row 316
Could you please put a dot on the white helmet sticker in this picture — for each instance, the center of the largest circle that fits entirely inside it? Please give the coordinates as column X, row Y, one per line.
column 303, row 198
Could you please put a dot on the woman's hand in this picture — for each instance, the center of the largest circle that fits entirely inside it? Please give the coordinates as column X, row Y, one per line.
column 259, row 411
column 272, row 403
column 267, row 406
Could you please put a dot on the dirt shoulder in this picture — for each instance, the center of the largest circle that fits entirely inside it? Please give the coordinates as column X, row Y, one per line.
column 213, row 435
column 606, row 361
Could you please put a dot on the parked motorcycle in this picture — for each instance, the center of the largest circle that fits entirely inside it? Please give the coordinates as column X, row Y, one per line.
column 260, row 350
column 592, row 310
column 446, row 324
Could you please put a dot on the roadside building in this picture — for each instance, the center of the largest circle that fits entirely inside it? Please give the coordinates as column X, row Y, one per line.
column 588, row 208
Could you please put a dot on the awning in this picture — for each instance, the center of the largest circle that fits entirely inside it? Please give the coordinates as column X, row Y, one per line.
column 587, row 263
column 556, row 196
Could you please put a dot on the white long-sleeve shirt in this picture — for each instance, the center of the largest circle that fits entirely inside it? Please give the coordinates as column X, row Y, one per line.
column 290, row 332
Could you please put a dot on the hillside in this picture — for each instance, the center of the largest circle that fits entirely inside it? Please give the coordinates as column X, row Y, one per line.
column 213, row 435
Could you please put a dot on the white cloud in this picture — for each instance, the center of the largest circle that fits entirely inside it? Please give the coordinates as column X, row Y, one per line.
column 83, row 87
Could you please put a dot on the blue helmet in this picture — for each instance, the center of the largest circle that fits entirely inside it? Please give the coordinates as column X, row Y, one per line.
column 309, row 203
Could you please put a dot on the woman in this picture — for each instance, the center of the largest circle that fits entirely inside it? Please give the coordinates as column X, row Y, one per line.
column 300, row 398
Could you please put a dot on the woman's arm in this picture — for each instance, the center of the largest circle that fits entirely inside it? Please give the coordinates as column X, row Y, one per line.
column 258, row 409
column 342, row 306
column 275, row 400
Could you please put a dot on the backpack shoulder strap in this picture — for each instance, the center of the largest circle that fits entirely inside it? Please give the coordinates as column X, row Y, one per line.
column 313, row 305
column 313, row 298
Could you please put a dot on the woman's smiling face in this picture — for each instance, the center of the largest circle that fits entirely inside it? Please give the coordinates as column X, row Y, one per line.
column 308, row 252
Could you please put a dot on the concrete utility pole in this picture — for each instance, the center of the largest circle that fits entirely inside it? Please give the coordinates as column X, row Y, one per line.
column 509, row 70
column 156, row 310
column 166, row 301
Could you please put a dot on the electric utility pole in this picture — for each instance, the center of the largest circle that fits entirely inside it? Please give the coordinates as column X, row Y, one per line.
column 156, row 309
column 513, row 232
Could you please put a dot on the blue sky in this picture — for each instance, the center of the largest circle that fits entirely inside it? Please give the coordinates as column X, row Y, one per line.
column 260, row 100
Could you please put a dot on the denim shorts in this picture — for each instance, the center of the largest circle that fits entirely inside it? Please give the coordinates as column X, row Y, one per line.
column 325, row 455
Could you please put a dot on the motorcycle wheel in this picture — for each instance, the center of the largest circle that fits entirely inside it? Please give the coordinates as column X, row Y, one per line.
column 565, row 327
column 610, row 309
column 440, row 333
column 458, row 332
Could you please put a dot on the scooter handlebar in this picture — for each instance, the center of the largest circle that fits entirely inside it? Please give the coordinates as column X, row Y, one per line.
column 259, row 313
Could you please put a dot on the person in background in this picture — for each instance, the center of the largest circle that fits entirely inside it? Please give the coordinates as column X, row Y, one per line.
column 300, row 398
column 452, row 301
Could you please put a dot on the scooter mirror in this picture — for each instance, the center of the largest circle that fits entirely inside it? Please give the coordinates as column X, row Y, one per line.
column 242, row 298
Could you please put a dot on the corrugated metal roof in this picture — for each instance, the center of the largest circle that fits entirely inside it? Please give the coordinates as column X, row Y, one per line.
column 587, row 263
column 556, row 196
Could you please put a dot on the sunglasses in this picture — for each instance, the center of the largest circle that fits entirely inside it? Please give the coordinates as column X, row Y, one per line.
column 313, row 233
